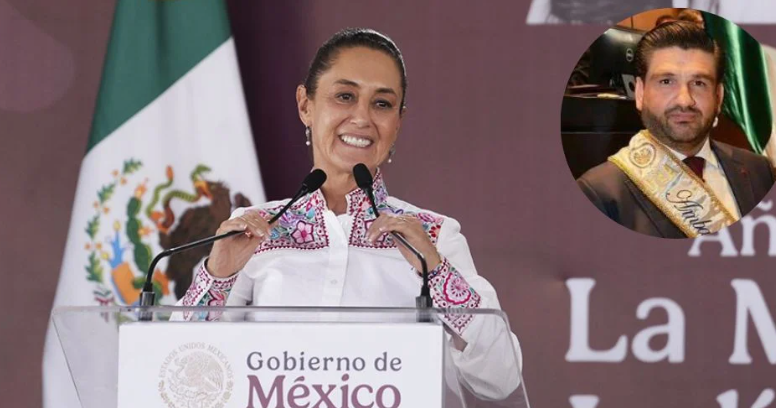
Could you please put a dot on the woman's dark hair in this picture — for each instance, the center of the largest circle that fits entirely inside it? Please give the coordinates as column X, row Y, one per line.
column 350, row 38
column 686, row 35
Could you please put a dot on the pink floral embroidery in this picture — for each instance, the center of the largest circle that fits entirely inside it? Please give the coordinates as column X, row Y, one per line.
column 207, row 291
column 456, row 290
column 362, row 221
column 450, row 290
column 302, row 227
column 303, row 233
column 217, row 298
column 426, row 217
column 363, row 217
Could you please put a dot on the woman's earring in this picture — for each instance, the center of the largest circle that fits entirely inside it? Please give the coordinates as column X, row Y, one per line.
column 716, row 121
column 391, row 153
column 308, row 134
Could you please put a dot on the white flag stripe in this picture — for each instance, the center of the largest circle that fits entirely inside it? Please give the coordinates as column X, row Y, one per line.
column 200, row 119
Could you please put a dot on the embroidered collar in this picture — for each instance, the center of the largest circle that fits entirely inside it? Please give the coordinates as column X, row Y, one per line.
column 303, row 226
column 357, row 200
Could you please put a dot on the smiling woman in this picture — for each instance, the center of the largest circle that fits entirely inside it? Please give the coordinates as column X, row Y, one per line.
column 331, row 249
column 353, row 111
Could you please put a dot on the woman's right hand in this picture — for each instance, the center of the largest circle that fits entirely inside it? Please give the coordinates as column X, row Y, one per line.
column 231, row 254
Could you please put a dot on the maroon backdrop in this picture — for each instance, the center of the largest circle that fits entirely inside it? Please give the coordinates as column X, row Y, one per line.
column 480, row 142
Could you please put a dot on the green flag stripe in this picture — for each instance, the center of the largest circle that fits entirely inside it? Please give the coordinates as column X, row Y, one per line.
column 153, row 43
column 747, row 99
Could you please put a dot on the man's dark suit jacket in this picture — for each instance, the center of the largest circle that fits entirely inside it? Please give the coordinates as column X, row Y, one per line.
column 750, row 177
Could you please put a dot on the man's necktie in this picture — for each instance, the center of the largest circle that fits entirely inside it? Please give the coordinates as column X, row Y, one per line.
column 696, row 164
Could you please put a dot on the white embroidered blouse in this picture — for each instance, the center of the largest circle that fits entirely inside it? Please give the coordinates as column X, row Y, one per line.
column 317, row 258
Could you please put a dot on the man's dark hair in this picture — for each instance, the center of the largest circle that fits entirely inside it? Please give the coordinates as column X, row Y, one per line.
column 350, row 38
column 686, row 35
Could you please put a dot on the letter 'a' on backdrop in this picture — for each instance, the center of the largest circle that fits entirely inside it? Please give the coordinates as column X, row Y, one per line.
column 667, row 123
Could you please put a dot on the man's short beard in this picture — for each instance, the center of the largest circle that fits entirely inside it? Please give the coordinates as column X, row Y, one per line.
column 661, row 129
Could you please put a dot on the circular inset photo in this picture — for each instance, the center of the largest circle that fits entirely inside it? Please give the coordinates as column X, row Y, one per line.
column 667, row 123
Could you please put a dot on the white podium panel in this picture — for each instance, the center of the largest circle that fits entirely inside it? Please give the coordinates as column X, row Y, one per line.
column 280, row 364
column 290, row 357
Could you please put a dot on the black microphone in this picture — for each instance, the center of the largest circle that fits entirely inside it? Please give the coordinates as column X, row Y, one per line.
column 364, row 181
column 312, row 182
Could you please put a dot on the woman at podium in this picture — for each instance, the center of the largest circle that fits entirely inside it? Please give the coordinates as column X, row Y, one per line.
column 329, row 249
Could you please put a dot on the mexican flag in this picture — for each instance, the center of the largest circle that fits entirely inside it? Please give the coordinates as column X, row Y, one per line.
column 748, row 100
column 770, row 56
column 170, row 155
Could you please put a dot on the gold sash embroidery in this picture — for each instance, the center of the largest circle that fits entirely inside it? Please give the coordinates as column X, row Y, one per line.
column 672, row 186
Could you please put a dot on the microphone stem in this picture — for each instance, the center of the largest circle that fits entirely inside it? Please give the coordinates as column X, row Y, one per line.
column 424, row 300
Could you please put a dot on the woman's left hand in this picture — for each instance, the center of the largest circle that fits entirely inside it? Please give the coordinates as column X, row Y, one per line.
column 413, row 231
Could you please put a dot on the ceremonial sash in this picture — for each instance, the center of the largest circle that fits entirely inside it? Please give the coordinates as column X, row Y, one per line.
column 672, row 186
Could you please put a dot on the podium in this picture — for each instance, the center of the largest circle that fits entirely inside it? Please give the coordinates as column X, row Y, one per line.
column 290, row 357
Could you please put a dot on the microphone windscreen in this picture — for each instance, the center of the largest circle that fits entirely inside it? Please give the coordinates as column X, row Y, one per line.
column 314, row 180
column 363, row 176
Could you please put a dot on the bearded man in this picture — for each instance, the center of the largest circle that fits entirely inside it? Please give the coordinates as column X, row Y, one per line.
column 671, row 180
